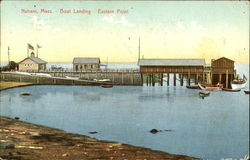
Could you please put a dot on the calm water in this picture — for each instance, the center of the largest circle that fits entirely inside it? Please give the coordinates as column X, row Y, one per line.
column 214, row 127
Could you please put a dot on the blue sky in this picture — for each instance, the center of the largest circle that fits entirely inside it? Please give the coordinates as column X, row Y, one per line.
column 172, row 29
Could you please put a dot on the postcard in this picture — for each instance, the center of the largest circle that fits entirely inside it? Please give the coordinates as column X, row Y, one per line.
column 124, row 80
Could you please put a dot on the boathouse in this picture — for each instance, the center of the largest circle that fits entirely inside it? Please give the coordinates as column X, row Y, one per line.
column 183, row 67
column 222, row 71
column 83, row 64
column 32, row 64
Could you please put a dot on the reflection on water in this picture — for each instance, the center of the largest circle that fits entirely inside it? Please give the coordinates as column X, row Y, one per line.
column 214, row 127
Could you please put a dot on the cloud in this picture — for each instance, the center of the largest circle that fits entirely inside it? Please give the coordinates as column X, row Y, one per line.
column 38, row 24
column 56, row 30
column 193, row 26
column 180, row 25
column 123, row 21
column 41, row 25
column 109, row 19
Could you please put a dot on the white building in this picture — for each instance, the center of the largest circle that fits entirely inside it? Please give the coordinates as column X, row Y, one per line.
column 32, row 64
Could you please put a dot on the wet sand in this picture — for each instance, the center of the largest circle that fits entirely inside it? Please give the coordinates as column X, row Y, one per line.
column 20, row 140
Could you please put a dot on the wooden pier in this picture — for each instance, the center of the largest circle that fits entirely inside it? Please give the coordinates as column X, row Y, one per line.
column 155, row 69
column 220, row 71
column 151, row 71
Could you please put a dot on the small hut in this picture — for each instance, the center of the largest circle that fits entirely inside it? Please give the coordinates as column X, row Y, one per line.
column 32, row 64
column 83, row 64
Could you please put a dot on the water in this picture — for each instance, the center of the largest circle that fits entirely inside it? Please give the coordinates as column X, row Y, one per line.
column 214, row 127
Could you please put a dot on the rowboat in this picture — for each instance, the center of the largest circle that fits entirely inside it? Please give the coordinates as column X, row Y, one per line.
column 102, row 80
column 230, row 90
column 25, row 94
column 204, row 94
column 106, row 85
column 210, row 87
column 192, row 87
column 247, row 92
column 239, row 83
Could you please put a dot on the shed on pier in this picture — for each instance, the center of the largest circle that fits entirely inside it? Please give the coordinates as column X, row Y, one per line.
column 222, row 71
column 83, row 64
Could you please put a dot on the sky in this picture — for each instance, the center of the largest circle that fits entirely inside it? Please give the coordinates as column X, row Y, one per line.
column 111, row 30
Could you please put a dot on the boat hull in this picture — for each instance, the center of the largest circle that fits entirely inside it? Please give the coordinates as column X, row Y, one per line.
column 192, row 87
column 238, row 86
column 209, row 87
column 106, row 85
column 204, row 94
column 230, row 90
column 247, row 92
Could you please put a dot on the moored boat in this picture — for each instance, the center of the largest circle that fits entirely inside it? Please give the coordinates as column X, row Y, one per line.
column 25, row 94
column 192, row 87
column 210, row 87
column 204, row 94
column 247, row 92
column 230, row 90
column 239, row 83
column 106, row 85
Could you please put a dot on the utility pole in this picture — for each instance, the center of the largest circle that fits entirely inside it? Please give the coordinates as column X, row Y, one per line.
column 9, row 54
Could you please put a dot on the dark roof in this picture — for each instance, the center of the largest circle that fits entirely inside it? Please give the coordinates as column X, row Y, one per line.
column 82, row 60
column 171, row 62
column 35, row 59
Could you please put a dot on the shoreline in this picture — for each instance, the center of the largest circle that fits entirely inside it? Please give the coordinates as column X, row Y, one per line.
column 23, row 140
column 7, row 85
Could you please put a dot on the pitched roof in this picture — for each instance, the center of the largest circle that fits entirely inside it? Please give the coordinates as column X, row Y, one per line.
column 223, row 58
column 171, row 62
column 35, row 59
column 82, row 60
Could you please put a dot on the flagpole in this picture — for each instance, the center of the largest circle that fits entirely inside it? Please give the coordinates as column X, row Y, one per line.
column 27, row 51
column 9, row 54
column 36, row 51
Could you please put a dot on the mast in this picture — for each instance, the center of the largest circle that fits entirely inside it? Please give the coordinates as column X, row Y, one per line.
column 139, row 51
column 107, row 64
column 36, row 51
